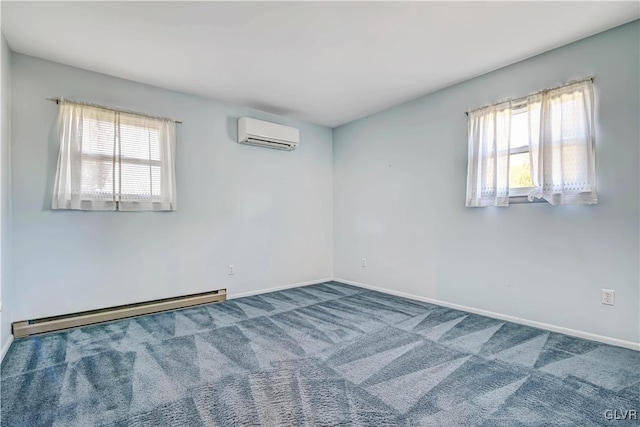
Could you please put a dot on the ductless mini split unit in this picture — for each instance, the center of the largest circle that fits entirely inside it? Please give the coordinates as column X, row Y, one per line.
column 266, row 134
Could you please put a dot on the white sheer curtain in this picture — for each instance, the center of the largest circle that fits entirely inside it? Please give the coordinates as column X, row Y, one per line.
column 488, row 162
column 562, row 144
column 112, row 160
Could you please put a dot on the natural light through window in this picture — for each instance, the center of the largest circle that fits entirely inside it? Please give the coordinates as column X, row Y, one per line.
column 116, row 160
column 519, row 159
column 137, row 173
column 541, row 147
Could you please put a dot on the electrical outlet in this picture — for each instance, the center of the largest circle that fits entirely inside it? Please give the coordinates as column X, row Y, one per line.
column 608, row 296
column 231, row 270
column 364, row 262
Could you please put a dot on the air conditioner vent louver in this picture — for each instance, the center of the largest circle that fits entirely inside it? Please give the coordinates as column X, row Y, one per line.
column 266, row 134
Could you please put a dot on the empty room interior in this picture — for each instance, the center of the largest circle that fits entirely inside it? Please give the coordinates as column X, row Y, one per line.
column 320, row 213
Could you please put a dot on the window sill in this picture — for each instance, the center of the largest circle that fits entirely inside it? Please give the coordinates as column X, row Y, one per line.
column 514, row 200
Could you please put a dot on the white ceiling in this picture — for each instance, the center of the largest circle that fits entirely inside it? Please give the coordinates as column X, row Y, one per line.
column 326, row 63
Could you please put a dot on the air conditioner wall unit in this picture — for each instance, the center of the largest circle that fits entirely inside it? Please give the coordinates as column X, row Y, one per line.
column 266, row 134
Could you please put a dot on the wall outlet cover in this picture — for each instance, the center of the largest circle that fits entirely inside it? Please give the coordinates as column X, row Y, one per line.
column 608, row 296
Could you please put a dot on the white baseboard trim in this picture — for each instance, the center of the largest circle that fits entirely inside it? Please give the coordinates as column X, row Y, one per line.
column 5, row 347
column 233, row 295
column 540, row 325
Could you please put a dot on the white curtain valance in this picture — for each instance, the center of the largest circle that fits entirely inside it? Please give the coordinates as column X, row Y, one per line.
column 112, row 160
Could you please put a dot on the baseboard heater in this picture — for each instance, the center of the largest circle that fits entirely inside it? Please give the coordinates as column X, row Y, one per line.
column 50, row 324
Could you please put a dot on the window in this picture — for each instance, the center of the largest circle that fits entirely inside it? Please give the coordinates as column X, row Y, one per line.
column 520, row 183
column 112, row 160
column 541, row 146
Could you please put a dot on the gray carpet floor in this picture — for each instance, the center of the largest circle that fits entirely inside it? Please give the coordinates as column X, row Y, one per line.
column 321, row 355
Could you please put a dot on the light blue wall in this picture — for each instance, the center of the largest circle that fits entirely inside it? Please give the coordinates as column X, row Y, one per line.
column 5, row 194
column 267, row 212
column 397, row 180
column 399, row 190
column 6, row 294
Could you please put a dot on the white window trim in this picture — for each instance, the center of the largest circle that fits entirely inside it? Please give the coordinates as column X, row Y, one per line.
column 520, row 191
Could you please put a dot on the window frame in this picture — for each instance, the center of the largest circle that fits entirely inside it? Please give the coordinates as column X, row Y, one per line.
column 520, row 193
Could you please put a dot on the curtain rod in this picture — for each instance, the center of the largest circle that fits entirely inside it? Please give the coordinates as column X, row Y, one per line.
column 522, row 98
column 57, row 101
